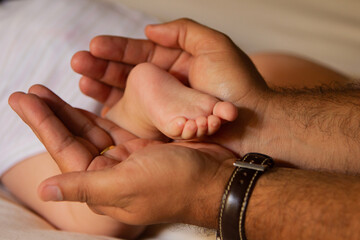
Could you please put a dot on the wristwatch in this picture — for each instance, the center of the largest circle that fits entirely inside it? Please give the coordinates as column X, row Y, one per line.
column 237, row 193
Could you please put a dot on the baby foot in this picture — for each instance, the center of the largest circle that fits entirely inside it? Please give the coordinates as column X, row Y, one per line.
column 156, row 101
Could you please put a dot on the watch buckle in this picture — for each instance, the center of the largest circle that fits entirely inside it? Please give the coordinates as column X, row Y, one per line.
column 253, row 166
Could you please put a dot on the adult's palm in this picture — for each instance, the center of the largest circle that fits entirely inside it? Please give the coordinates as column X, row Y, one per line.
column 137, row 182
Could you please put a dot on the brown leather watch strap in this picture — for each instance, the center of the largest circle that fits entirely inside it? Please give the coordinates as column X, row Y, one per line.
column 237, row 193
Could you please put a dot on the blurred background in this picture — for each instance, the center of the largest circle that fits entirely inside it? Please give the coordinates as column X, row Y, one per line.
column 322, row 30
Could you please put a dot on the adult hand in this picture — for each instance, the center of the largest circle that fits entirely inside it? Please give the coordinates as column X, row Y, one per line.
column 66, row 131
column 138, row 181
column 206, row 59
column 159, row 183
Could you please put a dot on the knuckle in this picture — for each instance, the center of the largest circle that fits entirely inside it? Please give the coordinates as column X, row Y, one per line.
column 86, row 128
column 65, row 143
column 82, row 194
column 185, row 20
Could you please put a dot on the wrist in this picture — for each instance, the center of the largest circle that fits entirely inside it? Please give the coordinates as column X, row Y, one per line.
column 275, row 136
column 238, row 192
column 203, row 209
column 263, row 196
column 270, row 131
column 265, row 129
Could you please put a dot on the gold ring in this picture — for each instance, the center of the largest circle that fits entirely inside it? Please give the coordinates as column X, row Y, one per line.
column 106, row 149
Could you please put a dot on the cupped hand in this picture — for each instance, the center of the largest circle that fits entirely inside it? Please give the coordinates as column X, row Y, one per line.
column 156, row 184
column 205, row 59
column 66, row 131
column 139, row 181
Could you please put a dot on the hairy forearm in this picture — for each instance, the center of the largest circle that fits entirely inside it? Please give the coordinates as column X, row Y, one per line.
column 316, row 129
column 300, row 204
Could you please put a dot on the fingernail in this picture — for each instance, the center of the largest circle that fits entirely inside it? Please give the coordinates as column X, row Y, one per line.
column 52, row 193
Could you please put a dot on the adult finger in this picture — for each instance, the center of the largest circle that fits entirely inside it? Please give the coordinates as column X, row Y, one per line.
column 108, row 190
column 98, row 187
column 135, row 51
column 69, row 153
column 84, row 63
column 118, row 134
column 109, row 72
column 190, row 36
column 125, row 142
column 101, row 92
column 73, row 119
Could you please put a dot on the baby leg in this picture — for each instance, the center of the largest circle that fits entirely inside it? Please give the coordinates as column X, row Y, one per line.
column 156, row 101
column 287, row 71
column 22, row 181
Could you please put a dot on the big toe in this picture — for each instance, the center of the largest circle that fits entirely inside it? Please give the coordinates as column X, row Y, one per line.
column 226, row 111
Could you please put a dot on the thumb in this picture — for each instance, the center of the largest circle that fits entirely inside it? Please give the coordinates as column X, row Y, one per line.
column 92, row 187
column 188, row 35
